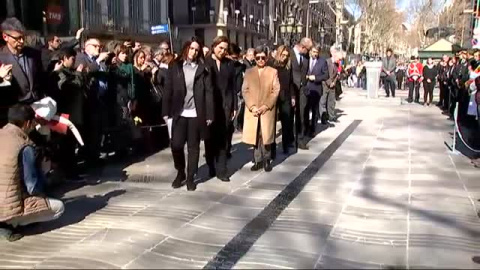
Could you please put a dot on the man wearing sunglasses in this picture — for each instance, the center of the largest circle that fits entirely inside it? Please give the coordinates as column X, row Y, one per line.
column 54, row 44
column 27, row 72
column 96, row 82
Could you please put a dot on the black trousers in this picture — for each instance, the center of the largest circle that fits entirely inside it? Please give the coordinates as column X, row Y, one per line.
column 186, row 130
column 301, row 117
column 313, row 106
column 453, row 98
column 414, row 85
column 447, row 96
column 285, row 113
column 443, row 91
column 216, row 146
column 66, row 154
column 389, row 84
column 428, row 91
column 399, row 82
column 94, row 129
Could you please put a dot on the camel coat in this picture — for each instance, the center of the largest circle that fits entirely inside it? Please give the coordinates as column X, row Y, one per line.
column 257, row 91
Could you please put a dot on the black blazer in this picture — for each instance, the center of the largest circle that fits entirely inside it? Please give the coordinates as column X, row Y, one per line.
column 95, row 73
column 225, row 86
column 175, row 91
column 285, row 77
column 299, row 71
column 25, row 87
column 320, row 71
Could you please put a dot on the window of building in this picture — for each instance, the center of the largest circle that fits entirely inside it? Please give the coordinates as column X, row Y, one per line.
column 200, row 33
column 135, row 10
column 115, row 13
column 155, row 12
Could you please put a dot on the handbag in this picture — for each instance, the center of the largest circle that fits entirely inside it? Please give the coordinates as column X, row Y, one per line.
column 156, row 93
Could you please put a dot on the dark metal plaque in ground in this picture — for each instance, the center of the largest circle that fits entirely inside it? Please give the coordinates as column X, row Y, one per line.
column 234, row 250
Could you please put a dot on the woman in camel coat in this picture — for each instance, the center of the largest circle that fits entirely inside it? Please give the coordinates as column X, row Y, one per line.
column 260, row 91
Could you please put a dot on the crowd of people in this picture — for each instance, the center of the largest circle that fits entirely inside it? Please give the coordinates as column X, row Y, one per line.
column 457, row 80
column 125, row 97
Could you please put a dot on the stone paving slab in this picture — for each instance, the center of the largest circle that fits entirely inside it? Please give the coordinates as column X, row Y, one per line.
column 389, row 196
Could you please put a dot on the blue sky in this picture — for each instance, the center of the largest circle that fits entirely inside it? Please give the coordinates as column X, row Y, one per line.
column 402, row 4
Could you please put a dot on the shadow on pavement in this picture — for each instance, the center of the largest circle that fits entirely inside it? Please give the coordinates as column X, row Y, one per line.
column 76, row 210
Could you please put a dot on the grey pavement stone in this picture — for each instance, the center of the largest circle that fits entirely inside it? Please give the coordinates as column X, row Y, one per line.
column 153, row 260
column 276, row 258
column 390, row 197
column 367, row 252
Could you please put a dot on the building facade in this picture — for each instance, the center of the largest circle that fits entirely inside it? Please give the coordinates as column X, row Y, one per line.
column 110, row 19
column 244, row 22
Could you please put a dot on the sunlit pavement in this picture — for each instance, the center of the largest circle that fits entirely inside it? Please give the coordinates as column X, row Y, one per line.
column 379, row 190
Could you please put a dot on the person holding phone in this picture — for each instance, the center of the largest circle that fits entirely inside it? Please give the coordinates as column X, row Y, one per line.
column 27, row 80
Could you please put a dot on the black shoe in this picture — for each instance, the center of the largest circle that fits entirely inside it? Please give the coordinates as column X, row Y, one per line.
column 388, row 96
column 285, row 151
column 303, row 146
column 256, row 167
column 212, row 172
column 191, row 186
column 177, row 183
column 9, row 233
column 268, row 165
column 224, row 178
column 229, row 155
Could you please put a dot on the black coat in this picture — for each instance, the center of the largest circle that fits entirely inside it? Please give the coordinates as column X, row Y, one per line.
column 95, row 73
column 299, row 71
column 50, row 57
column 320, row 71
column 175, row 91
column 225, row 90
column 69, row 93
column 285, row 78
column 25, row 87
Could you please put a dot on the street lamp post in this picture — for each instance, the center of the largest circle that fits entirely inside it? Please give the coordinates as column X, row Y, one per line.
column 322, row 37
column 225, row 15
column 193, row 8
column 237, row 12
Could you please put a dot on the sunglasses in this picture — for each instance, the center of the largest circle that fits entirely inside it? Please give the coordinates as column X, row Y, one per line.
column 260, row 58
column 16, row 38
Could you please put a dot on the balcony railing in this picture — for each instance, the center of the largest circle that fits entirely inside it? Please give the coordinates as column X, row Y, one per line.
column 248, row 24
column 116, row 24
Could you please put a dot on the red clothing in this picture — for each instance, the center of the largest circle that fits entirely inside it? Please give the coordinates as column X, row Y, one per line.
column 415, row 69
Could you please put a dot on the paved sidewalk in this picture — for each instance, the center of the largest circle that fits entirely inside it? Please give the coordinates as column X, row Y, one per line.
column 379, row 190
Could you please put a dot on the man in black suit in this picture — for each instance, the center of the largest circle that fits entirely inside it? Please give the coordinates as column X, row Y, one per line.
column 224, row 77
column 300, row 64
column 96, row 83
column 27, row 80
column 53, row 45
column 317, row 73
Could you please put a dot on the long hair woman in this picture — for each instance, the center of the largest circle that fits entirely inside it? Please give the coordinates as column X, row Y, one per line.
column 286, row 97
column 260, row 91
column 189, row 99
column 124, row 97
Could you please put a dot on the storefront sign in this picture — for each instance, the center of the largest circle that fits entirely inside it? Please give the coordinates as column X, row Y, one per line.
column 54, row 15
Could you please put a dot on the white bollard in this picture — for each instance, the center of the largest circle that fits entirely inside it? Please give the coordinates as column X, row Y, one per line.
column 373, row 78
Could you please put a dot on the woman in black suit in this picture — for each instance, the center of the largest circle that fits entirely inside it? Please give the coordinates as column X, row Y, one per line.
column 286, row 97
column 188, row 101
